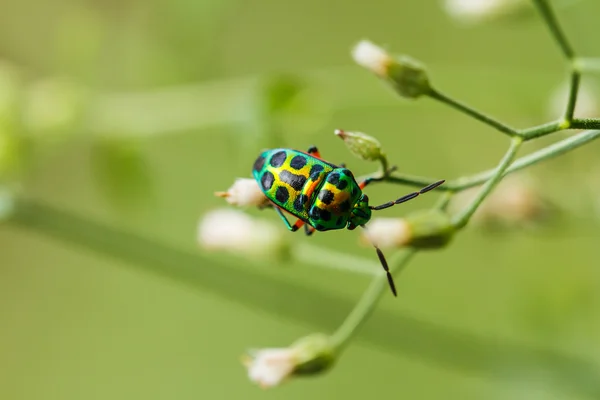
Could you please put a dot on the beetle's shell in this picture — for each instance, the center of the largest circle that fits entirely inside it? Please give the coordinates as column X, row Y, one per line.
column 317, row 192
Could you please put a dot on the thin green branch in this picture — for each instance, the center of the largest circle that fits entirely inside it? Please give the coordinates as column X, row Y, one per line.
column 434, row 94
column 462, row 218
column 573, row 91
column 359, row 315
column 477, row 179
column 586, row 123
column 543, row 130
column 549, row 17
column 536, row 157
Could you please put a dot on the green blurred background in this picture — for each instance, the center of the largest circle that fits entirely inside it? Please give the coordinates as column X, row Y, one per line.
column 129, row 115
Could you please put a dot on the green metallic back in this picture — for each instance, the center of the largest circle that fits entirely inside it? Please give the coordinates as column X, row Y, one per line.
column 321, row 194
column 291, row 179
column 332, row 208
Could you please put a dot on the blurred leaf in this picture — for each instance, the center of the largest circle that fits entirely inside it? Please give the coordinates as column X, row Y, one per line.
column 122, row 172
column 52, row 108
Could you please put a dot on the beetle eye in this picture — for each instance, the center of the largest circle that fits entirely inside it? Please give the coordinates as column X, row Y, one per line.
column 365, row 198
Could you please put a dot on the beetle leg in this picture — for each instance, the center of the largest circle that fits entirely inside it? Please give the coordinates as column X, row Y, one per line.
column 369, row 180
column 297, row 225
column 313, row 151
column 309, row 230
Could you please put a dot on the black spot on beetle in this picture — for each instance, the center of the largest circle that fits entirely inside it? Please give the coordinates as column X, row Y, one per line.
column 259, row 163
column 345, row 206
column 267, row 180
column 343, row 184
column 298, row 162
column 326, row 196
column 295, row 181
column 325, row 215
column 300, row 202
column 320, row 227
column 278, row 159
column 333, row 178
column 282, row 195
column 315, row 171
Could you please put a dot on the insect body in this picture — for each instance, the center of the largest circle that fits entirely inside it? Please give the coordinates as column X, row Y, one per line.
column 323, row 196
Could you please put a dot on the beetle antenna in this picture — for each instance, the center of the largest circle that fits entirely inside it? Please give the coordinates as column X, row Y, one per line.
column 407, row 197
column 384, row 264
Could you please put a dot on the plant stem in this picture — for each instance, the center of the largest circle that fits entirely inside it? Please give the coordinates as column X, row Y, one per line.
column 586, row 123
column 549, row 17
column 546, row 153
column 553, row 150
column 434, row 94
column 359, row 315
column 463, row 217
column 573, row 90
column 542, row 130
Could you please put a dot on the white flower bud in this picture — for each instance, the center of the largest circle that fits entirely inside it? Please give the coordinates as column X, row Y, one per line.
column 269, row 367
column 387, row 232
column 235, row 231
column 407, row 76
column 309, row 355
column 423, row 229
column 361, row 145
column 244, row 192
column 372, row 57
column 476, row 11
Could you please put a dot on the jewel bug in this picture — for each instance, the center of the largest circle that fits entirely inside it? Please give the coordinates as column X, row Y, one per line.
column 321, row 195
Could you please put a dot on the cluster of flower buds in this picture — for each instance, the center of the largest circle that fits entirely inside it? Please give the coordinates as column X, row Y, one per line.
column 310, row 355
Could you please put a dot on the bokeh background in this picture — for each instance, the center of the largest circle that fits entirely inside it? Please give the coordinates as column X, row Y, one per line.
column 120, row 120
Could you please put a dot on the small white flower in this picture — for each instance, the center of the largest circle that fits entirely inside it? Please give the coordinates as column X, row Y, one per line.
column 244, row 192
column 310, row 355
column 474, row 11
column 372, row 57
column 586, row 106
column 233, row 230
column 406, row 75
column 270, row 367
column 387, row 232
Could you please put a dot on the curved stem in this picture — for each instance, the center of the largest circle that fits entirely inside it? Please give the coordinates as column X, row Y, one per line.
column 463, row 217
column 359, row 315
column 434, row 94
column 546, row 153
column 549, row 17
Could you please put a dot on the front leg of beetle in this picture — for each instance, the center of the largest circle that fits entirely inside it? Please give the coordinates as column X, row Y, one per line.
column 297, row 225
column 369, row 180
